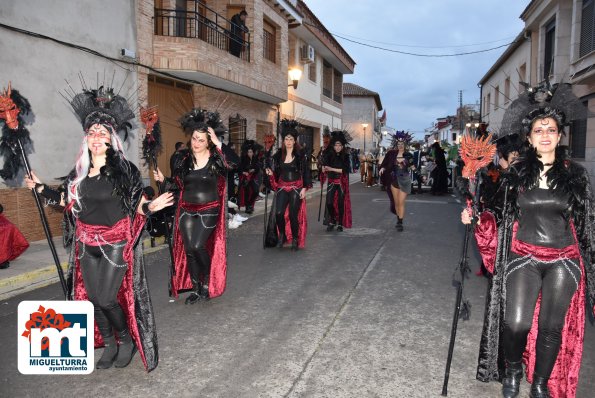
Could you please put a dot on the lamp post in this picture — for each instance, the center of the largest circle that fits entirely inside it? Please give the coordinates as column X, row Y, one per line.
column 295, row 75
column 364, row 125
column 469, row 125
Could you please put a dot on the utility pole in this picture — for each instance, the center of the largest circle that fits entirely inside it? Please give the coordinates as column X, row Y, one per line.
column 461, row 124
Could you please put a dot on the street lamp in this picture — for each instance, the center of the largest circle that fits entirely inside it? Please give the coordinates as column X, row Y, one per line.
column 295, row 75
column 364, row 125
column 468, row 125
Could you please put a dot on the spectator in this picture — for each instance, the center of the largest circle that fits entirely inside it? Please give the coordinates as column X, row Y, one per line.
column 177, row 156
column 237, row 33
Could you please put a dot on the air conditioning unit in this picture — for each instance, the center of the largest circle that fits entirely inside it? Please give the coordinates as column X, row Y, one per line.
column 307, row 54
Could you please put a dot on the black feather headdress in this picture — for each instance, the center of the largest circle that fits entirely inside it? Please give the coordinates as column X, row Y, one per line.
column 13, row 108
column 251, row 144
column 103, row 106
column 200, row 119
column 546, row 100
column 289, row 127
column 340, row 136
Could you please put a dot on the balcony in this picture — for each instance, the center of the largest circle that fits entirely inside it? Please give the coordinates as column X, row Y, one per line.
column 205, row 25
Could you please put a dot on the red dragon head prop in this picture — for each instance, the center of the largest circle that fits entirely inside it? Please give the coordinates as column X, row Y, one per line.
column 8, row 109
column 269, row 141
column 149, row 116
column 476, row 152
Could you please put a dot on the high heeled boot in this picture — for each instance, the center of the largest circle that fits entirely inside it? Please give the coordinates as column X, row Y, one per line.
column 194, row 294
column 126, row 349
column 111, row 347
column 512, row 379
column 281, row 240
column 539, row 387
column 399, row 225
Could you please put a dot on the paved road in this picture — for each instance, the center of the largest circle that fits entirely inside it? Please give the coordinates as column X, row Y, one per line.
column 365, row 313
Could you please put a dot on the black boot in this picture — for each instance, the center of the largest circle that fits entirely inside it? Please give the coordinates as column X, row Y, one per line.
column 339, row 228
column 330, row 227
column 399, row 225
column 195, row 294
column 539, row 388
column 512, row 379
column 204, row 292
column 111, row 348
column 126, row 350
column 294, row 244
column 281, row 240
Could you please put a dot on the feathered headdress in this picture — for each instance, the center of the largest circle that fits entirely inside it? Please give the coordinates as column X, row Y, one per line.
column 341, row 136
column 103, row 106
column 326, row 132
column 251, row 144
column 476, row 152
column 508, row 143
column 546, row 100
column 401, row 136
column 152, row 141
column 289, row 127
column 13, row 108
column 201, row 119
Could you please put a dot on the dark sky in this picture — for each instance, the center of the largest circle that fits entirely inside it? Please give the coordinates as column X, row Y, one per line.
column 417, row 90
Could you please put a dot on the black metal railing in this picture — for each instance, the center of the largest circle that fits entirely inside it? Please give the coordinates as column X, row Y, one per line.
column 211, row 28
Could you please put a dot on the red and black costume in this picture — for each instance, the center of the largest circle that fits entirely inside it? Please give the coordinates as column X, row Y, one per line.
column 200, row 252
column 338, row 200
column 250, row 175
column 102, row 231
column 12, row 241
column 288, row 220
column 540, row 255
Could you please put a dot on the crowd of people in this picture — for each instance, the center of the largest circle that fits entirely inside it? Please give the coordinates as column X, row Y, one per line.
column 532, row 216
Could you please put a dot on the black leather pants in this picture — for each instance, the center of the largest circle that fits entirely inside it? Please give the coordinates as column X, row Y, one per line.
column 331, row 191
column 524, row 278
column 103, row 269
column 196, row 228
column 285, row 199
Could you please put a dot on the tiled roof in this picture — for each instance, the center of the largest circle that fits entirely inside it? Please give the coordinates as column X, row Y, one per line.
column 353, row 90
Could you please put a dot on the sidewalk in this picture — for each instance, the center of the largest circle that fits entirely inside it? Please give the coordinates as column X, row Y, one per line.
column 35, row 268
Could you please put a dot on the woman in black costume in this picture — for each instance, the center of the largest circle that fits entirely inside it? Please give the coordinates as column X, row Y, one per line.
column 540, row 255
column 199, row 236
column 335, row 166
column 104, row 215
column 290, row 179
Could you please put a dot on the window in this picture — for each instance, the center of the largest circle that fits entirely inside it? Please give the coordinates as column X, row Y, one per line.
column 454, row 137
column 488, row 105
column 337, row 86
column 496, row 97
column 587, row 28
column 578, row 137
column 522, row 77
column 550, row 40
column 269, row 42
column 507, row 90
column 237, row 131
column 327, row 79
column 312, row 71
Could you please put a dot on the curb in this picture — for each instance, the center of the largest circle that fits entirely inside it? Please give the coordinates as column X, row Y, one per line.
column 41, row 277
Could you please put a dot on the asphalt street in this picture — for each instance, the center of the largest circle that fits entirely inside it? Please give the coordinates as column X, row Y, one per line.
column 363, row 313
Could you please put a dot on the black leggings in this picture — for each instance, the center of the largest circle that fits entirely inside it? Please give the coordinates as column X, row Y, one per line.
column 524, row 278
column 196, row 228
column 291, row 199
column 250, row 192
column 331, row 190
column 103, row 269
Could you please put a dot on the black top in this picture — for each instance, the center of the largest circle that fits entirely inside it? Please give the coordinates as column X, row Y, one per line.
column 336, row 161
column 290, row 171
column 99, row 206
column 544, row 218
column 200, row 186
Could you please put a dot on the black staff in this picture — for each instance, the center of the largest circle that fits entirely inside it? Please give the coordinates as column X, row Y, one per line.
column 462, row 307
column 44, row 222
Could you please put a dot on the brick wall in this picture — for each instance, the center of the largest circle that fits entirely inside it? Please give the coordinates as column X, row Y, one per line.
column 21, row 210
